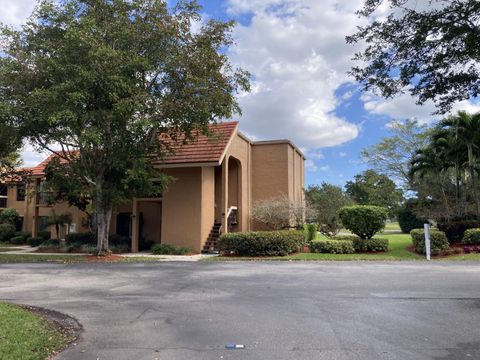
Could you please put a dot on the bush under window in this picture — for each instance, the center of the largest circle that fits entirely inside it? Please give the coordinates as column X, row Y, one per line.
column 167, row 249
column 7, row 231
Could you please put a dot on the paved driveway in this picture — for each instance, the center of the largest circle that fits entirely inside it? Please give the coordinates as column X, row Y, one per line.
column 277, row 310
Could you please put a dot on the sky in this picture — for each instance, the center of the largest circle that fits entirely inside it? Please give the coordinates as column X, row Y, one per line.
column 300, row 89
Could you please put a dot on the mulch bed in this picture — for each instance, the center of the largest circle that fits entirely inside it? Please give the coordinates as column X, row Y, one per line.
column 107, row 258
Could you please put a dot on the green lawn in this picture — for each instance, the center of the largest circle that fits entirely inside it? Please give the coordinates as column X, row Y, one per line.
column 24, row 258
column 25, row 335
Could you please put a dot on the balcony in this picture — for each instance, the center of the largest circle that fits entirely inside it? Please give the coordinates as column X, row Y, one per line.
column 45, row 198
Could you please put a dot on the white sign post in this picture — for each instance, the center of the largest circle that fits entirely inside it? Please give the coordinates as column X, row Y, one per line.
column 427, row 240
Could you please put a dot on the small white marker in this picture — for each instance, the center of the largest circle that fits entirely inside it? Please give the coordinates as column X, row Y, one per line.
column 239, row 346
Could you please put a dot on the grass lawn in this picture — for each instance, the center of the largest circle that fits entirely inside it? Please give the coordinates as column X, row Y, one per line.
column 24, row 258
column 25, row 335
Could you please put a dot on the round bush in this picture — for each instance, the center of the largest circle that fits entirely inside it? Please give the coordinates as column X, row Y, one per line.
column 332, row 247
column 262, row 243
column 9, row 216
column 7, row 231
column 471, row 237
column 18, row 240
column 363, row 220
column 438, row 241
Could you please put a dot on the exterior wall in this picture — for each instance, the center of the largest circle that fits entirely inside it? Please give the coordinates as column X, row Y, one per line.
column 207, row 203
column 182, row 209
column 240, row 180
column 277, row 169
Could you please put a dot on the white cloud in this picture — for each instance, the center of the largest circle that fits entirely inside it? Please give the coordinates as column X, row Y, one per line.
column 404, row 107
column 15, row 12
column 342, row 154
column 32, row 157
column 297, row 54
column 324, row 168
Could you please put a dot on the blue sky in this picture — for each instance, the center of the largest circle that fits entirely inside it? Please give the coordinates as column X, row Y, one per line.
column 296, row 52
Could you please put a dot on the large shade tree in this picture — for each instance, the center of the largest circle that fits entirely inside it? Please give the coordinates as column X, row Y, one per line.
column 107, row 84
column 427, row 48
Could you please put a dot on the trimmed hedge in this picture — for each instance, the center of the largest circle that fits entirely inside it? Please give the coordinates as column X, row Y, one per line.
column 438, row 241
column 332, row 247
column 35, row 241
column 81, row 239
column 262, row 243
column 364, row 245
column 18, row 240
column 456, row 229
column 471, row 237
column 310, row 232
column 7, row 231
column 119, row 240
column 167, row 249
column 51, row 243
column 363, row 220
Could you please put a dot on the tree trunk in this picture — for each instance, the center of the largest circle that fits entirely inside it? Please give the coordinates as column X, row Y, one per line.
column 103, row 209
column 471, row 166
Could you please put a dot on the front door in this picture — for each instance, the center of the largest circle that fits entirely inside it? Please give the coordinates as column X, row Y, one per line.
column 124, row 224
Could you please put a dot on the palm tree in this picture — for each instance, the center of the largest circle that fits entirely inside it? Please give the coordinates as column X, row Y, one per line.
column 432, row 161
column 467, row 131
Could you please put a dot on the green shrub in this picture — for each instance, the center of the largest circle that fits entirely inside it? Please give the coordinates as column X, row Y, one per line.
column 407, row 220
column 51, row 243
column 7, row 231
column 45, row 234
column 471, row 237
column 18, row 240
column 35, row 241
column 120, row 248
column 455, row 229
column 9, row 216
column 364, row 245
column 310, row 232
column 79, row 239
column 262, row 243
column 332, row 247
column 438, row 241
column 24, row 234
column 167, row 249
column 363, row 220
column 118, row 240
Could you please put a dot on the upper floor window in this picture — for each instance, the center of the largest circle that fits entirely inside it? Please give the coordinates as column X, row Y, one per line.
column 21, row 192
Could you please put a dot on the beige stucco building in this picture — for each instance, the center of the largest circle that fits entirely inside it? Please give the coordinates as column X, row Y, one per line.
column 217, row 180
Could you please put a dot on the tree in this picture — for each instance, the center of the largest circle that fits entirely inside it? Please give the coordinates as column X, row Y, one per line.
column 58, row 220
column 372, row 188
column 430, row 50
column 281, row 213
column 114, row 83
column 392, row 155
column 364, row 220
column 466, row 128
column 327, row 200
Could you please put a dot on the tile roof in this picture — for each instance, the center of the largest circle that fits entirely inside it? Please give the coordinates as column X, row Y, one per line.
column 203, row 149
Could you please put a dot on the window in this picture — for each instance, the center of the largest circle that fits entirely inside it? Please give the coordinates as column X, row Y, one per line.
column 3, row 196
column 21, row 192
column 43, row 223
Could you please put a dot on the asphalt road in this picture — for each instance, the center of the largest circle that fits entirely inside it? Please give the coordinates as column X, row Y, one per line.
column 278, row 310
